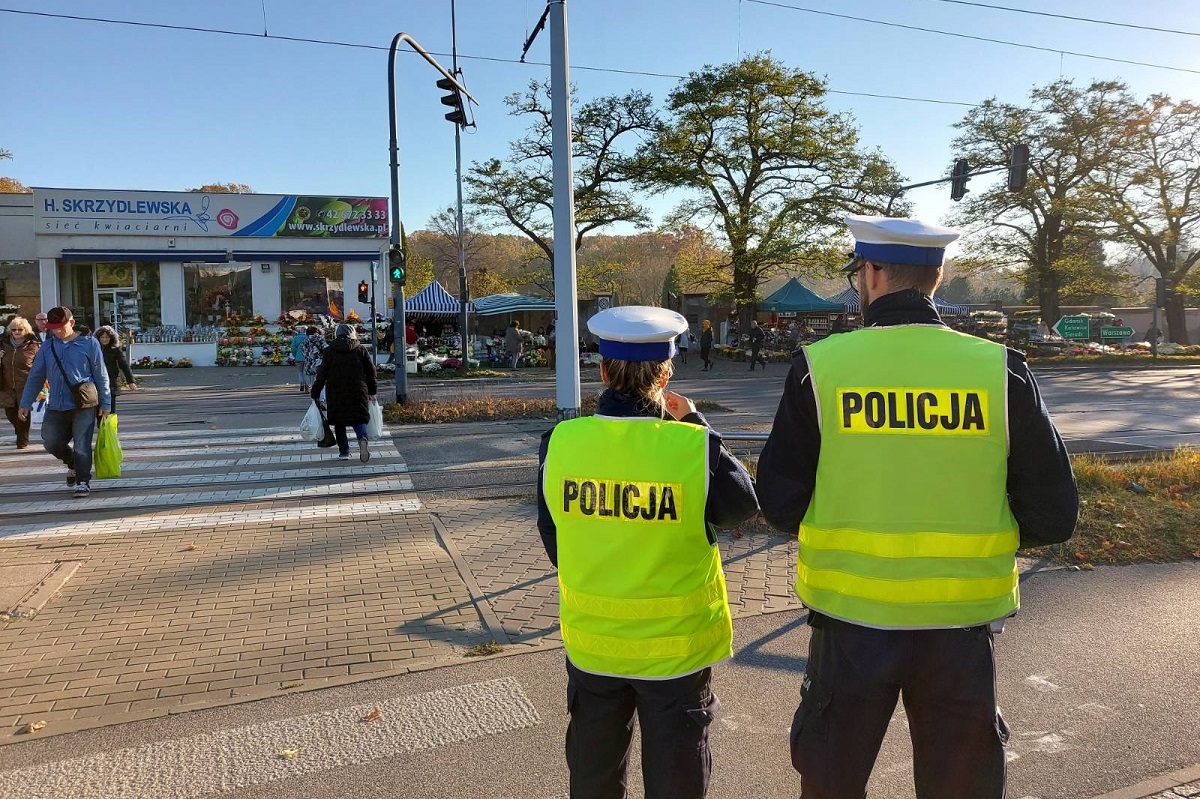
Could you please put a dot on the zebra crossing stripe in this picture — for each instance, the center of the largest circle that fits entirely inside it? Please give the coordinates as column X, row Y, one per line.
column 195, row 480
column 217, row 763
column 210, row 520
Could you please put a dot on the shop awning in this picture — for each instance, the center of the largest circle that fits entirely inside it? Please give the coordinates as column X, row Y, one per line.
column 848, row 299
column 795, row 298
column 433, row 299
column 496, row 304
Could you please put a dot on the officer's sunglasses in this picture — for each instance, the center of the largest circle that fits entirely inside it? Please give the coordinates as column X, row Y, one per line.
column 855, row 267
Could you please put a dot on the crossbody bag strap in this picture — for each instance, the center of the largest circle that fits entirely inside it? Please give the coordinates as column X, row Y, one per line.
column 62, row 371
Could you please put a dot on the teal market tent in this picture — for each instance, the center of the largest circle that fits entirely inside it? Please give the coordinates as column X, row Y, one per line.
column 497, row 304
column 795, row 298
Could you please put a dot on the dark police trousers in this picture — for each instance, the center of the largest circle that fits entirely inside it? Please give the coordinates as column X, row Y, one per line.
column 674, row 716
column 947, row 679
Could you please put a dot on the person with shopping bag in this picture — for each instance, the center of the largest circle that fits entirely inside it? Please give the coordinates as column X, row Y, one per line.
column 347, row 376
column 18, row 347
column 108, row 455
column 79, row 395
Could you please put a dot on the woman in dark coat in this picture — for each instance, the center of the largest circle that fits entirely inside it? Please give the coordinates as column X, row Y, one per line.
column 18, row 345
column 115, row 362
column 348, row 377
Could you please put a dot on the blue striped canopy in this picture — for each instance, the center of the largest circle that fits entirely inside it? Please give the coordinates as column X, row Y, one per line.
column 497, row 304
column 849, row 300
column 433, row 299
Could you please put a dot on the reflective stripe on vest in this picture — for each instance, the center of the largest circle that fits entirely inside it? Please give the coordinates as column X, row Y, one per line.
column 641, row 591
column 909, row 526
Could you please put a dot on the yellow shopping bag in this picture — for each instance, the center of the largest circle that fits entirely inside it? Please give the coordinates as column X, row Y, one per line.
column 108, row 453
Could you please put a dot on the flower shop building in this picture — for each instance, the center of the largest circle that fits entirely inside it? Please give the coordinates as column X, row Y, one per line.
column 174, row 268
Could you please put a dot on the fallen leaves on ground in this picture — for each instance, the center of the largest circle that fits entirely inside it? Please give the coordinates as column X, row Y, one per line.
column 374, row 715
column 289, row 754
column 30, row 729
column 283, row 686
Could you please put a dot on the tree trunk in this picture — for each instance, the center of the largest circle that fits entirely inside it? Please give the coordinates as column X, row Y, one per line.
column 1048, row 297
column 743, row 299
column 1176, row 319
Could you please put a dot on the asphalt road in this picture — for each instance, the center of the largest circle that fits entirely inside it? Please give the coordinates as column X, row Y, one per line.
column 1097, row 680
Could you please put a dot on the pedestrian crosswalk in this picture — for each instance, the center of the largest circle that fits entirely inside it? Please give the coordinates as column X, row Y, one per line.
column 181, row 478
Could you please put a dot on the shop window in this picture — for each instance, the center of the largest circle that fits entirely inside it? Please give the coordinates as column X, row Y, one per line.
column 114, row 276
column 214, row 292
column 20, row 288
column 312, row 286
column 149, row 294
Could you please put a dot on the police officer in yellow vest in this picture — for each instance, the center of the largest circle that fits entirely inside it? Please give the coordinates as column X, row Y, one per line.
column 627, row 505
column 913, row 460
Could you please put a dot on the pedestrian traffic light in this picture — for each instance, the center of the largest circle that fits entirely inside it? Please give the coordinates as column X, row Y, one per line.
column 1018, row 167
column 454, row 99
column 363, row 297
column 960, row 175
column 396, row 262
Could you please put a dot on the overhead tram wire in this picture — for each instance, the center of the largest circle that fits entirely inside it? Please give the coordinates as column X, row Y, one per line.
column 1090, row 20
column 975, row 38
column 362, row 46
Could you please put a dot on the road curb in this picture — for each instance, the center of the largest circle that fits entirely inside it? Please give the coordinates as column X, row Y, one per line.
column 1157, row 785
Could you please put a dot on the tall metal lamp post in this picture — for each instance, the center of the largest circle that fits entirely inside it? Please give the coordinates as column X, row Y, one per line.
column 397, row 257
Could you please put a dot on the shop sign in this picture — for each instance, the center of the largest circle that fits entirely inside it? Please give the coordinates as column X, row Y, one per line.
column 84, row 212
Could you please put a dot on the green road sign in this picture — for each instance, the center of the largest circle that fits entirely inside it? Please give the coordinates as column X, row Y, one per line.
column 1074, row 327
column 1116, row 332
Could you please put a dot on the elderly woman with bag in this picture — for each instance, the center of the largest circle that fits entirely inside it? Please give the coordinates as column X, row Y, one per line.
column 348, row 377
column 18, row 347
column 115, row 362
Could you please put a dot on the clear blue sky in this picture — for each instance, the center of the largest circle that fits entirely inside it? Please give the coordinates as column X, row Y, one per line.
column 108, row 106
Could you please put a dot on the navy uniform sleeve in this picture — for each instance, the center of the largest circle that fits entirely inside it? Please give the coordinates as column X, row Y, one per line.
column 787, row 467
column 1041, row 484
column 545, row 521
column 731, row 494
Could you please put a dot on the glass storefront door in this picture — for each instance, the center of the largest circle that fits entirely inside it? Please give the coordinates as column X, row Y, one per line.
column 118, row 308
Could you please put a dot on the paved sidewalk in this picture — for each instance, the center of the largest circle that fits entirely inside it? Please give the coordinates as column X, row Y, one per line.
column 1182, row 784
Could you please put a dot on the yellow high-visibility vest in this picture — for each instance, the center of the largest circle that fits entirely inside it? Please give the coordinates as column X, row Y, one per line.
column 641, row 590
column 909, row 526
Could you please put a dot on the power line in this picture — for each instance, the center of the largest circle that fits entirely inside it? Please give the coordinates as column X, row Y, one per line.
column 976, row 38
column 362, row 46
column 1093, row 21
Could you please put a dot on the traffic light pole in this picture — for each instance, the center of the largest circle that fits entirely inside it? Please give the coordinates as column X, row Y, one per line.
column 394, row 148
column 461, row 233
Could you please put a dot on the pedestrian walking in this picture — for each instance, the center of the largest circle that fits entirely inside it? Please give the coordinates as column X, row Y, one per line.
column 512, row 343
column 684, row 342
column 757, row 336
column 706, row 343
column 79, row 393
column 312, row 350
column 552, row 346
column 18, row 347
column 347, row 375
column 937, row 460
column 627, row 506
column 296, row 350
column 115, row 363
column 40, row 326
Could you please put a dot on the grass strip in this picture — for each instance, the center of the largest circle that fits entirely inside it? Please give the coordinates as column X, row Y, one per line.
column 492, row 409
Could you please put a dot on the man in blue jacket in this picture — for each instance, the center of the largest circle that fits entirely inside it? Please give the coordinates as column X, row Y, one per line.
column 69, row 362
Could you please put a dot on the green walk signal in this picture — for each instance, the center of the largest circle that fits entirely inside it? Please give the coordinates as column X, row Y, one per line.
column 396, row 262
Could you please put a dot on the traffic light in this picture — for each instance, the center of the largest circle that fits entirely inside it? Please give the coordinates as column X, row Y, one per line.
column 396, row 262
column 960, row 175
column 1018, row 167
column 363, row 297
column 457, row 114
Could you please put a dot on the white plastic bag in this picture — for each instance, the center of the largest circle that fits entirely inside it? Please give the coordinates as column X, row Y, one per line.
column 375, row 426
column 37, row 414
column 312, row 428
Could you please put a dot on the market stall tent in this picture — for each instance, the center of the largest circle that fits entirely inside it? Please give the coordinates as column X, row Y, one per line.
column 497, row 304
column 848, row 301
column 795, row 298
column 433, row 300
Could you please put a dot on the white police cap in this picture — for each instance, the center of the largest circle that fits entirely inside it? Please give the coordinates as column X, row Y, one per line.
column 637, row 332
column 899, row 240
